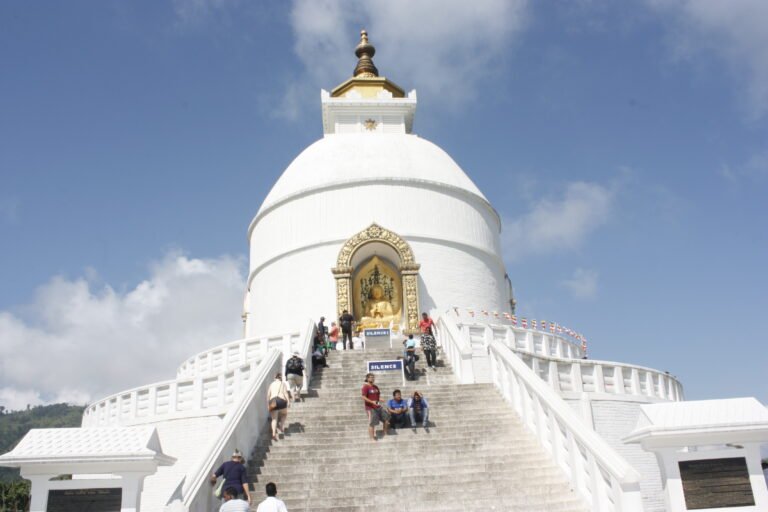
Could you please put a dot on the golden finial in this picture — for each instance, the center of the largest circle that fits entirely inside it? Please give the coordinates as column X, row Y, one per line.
column 365, row 52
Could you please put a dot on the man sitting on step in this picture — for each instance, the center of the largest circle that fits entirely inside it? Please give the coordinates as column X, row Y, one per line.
column 418, row 410
column 398, row 410
column 373, row 408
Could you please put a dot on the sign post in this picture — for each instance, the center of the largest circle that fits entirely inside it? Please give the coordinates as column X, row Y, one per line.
column 387, row 366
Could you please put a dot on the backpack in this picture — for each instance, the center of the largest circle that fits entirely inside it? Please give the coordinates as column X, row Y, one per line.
column 294, row 364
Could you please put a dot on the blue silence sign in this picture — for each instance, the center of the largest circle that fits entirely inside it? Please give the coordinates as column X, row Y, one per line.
column 385, row 366
column 376, row 332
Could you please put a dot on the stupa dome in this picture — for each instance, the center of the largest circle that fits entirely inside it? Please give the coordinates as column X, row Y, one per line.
column 338, row 160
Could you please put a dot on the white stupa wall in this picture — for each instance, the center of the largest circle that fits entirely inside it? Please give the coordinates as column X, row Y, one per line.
column 454, row 235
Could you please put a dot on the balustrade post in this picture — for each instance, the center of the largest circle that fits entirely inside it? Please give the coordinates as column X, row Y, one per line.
column 618, row 380
column 576, row 378
column 635, row 376
column 172, row 393
column 599, row 379
column 221, row 386
column 152, row 401
column 530, row 346
column 554, row 378
column 649, row 386
column 509, row 338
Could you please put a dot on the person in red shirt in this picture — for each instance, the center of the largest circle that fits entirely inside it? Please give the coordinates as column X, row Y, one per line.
column 428, row 342
column 373, row 408
column 427, row 326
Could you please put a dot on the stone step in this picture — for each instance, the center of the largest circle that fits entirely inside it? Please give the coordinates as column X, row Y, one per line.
column 476, row 454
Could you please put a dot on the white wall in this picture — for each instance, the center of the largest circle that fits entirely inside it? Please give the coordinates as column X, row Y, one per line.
column 454, row 236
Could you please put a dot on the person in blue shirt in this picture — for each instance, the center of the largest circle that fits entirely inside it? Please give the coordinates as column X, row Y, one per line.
column 398, row 410
column 418, row 410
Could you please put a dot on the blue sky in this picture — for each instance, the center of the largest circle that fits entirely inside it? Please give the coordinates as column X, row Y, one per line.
column 624, row 145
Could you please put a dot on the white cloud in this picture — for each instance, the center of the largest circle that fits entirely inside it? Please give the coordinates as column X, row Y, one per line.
column 439, row 47
column 582, row 284
column 555, row 224
column 79, row 341
column 734, row 30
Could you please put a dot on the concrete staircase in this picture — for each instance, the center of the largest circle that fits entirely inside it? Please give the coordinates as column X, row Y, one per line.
column 475, row 455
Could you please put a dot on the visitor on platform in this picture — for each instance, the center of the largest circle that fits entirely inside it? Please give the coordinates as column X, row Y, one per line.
column 418, row 410
column 375, row 411
column 318, row 358
column 232, row 503
column 429, row 347
column 398, row 410
column 409, row 357
column 271, row 503
column 427, row 326
column 346, row 321
column 294, row 374
column 333, row 335
column 277, row 401
column 235, row 476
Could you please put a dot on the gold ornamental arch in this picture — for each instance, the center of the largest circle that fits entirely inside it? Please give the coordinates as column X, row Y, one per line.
column 408, row 268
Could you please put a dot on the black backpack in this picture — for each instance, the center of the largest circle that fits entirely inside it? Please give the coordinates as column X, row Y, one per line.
column 294, row 364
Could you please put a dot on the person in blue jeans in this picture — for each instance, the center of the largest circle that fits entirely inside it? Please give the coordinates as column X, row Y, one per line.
column 409, row 357
column 398, row 410
column 418, row 410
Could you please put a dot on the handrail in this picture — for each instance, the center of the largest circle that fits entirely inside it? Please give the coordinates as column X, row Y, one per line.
column 241, row 428
column 595, row 376
column 539, row 342
column 242, row 425
column 200, row 393
column 188, row 397
column 605, row 480
column 459, row 354
column 231, row 354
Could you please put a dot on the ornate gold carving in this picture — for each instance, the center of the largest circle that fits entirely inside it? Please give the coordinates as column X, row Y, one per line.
column 374, row 232
column 409, row 270
column 411, row 286
column 370, row 124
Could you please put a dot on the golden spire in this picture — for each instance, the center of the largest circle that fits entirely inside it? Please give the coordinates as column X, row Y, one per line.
column 365, row 52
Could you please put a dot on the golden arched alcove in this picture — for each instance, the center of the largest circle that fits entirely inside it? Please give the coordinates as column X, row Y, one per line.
column 377, row 279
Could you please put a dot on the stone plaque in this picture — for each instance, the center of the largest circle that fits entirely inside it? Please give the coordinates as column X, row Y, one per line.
column 716, row 483
column 85, row 500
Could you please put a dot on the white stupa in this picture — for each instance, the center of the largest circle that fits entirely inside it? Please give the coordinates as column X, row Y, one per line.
column 372, row 195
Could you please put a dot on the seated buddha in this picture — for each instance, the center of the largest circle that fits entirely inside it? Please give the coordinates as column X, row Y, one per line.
column 379, row 310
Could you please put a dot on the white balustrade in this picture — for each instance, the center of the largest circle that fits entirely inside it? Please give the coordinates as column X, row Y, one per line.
column 459, row 355
column 197, row 396
column 558, row 361
column 603, row 478
column 593, row 376
column 243, row 424
column 235, row 353
column 206, row 384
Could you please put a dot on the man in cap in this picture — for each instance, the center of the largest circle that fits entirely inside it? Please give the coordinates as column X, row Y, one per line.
column 234, row 475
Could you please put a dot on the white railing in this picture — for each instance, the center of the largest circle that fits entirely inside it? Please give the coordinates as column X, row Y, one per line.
column 458, row 354
column 179, row 398
column 536, row 342
column 242, row 426
column 592, row 376
column 603, row 478
column 233, row 354
column 207, row 384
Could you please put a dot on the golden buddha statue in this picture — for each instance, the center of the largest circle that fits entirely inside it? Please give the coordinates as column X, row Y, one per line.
column 379, row 310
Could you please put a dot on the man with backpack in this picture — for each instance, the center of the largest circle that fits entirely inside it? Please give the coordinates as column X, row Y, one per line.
column 346, row 320
column 294, row 374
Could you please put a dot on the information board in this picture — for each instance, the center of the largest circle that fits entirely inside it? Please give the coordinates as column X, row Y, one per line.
column 385, row 366
column 85, row 500
column 716, row 483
